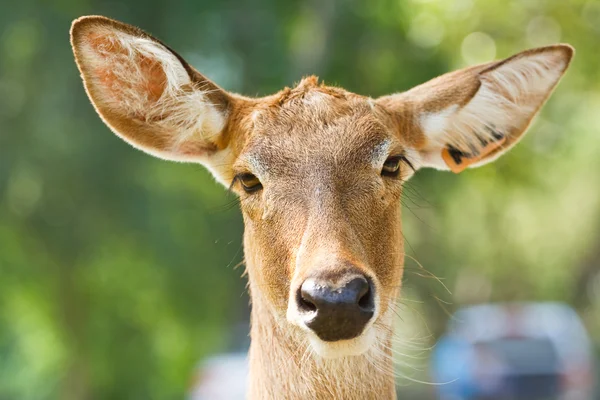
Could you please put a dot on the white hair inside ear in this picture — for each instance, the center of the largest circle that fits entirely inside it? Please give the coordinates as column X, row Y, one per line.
column 144, row 92
column 509, row 95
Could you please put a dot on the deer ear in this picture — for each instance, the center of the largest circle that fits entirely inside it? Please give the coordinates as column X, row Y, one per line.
column 149, row 96
column 470, row 117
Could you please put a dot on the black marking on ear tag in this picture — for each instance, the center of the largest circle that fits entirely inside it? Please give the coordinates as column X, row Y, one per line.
column 496, row 134
column 482, row 141
column 456, row 154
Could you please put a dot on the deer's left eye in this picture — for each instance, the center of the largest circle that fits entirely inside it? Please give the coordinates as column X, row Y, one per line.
column 391, row 167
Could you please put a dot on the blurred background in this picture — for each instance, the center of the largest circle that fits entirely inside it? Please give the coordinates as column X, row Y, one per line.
column 120, row 274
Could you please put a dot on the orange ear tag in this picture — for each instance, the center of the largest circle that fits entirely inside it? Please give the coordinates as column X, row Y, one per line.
column 457, row 161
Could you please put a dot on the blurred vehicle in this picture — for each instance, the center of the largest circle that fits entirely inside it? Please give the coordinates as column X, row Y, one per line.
column 515, row 351
column 222, row 377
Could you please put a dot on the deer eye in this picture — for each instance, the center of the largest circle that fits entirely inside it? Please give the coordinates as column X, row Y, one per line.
column 391, row 167
column 249, row 182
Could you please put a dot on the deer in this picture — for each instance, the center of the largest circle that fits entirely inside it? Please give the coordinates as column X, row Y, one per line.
column 318, row 172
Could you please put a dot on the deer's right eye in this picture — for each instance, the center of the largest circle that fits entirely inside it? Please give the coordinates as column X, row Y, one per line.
column 249, row 182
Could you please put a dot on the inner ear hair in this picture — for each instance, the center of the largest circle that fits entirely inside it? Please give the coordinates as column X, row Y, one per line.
column 146, row 93
column 471, row 116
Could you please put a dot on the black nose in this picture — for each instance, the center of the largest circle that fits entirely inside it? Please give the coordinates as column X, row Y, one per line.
column 336, row 310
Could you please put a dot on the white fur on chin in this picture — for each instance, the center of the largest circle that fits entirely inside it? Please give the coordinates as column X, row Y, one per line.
column 343, row 348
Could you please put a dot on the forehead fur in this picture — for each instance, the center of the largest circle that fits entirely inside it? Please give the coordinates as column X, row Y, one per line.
column 311, row 102
column 314, row 121
column 311, row 86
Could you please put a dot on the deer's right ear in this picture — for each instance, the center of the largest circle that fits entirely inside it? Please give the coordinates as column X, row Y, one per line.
column 150, row 97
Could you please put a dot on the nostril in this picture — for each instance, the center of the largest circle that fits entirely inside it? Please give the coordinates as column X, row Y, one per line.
column 304, row 302
column 365, row 302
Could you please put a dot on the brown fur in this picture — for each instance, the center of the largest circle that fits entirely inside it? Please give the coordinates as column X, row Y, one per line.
column 324, row 206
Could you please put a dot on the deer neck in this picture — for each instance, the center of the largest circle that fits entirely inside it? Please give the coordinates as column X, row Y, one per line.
column 282, row 366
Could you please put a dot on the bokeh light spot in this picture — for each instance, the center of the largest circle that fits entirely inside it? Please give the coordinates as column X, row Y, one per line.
column 478, row 47
column 426, row 30
column 543, row 31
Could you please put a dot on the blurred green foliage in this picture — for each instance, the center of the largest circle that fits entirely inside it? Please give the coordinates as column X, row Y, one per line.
column 117, row 270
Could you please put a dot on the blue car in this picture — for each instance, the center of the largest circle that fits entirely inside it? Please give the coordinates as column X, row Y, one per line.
column 515, row 351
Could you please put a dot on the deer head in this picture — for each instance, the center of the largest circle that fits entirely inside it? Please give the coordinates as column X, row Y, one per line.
column 318, row 170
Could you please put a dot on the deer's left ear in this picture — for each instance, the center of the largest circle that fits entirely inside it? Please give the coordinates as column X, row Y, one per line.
column 470, row 117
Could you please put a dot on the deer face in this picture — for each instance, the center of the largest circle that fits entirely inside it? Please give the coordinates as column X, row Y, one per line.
column 318, row 170
column 319, row 180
